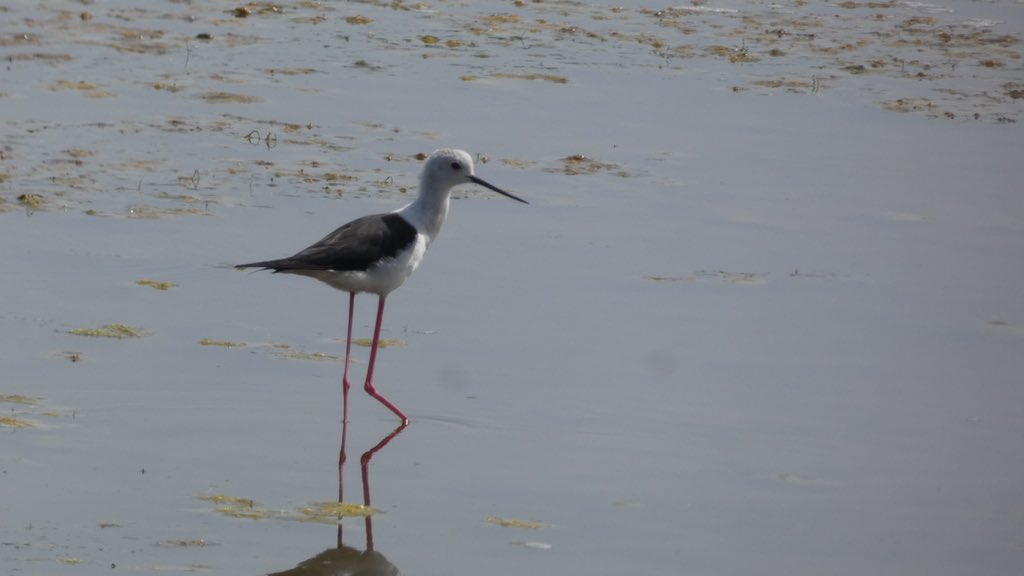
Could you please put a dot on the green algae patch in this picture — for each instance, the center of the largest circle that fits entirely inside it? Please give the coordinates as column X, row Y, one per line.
column 220, row 97
column 511, row 523
column 31, row 200
column 12, row 422
column 117, row 331
column 235, row 511
column 332, row 512
column 553, row 78
column 221, row 343
column 86, row 88
column 297, row 355
column 153, row 212
column 14, row 417
column 749, row 278
column 237, row 507
column 156, row 284
column 671, row 278
column 384, row 342
column 225, row 499
column 577, row 164
column 17, row 399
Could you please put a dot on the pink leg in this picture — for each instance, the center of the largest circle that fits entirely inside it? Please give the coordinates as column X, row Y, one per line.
column 341, row 475
column 373, row 360
column 348, row 349
column 364, row 464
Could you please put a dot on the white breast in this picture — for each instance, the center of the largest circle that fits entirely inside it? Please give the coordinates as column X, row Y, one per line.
column 381, row 278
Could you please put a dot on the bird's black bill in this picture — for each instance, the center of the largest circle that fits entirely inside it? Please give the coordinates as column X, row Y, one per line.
column 486, row 184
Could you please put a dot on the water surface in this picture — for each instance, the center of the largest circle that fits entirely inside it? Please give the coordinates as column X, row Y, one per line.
column 762, row 314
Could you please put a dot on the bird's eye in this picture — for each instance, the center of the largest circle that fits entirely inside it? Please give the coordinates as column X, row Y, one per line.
column 456, row 166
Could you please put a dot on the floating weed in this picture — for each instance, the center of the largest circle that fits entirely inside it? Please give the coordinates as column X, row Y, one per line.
column 221, row 343
column 512, row 163
column 165, row 87
column 296, row 355
column 670, row 278
column 225, row 499
column 910, row 105
column 220, row 97
column 936, row 45
column 336, row 177
column 511, row 523
column 742, row 56
column 259, row 8
column 118, row 331
column 719, row 50
column 495, row 20
column 318, row 512
column 790, row 85
column 579, row 164
column 14, row 422
column 87, row 88
column 158, row 285
column 14, row 416
column 243, row 512
column 17, row 399
column 236, row 507
column 148, row 165
column 804, row 274
column 364, row 64
column 332, row 512
column 732, row 277
column 194, row 543
column 553, row 78
column 70, row 560
column 153, row 213
column 31, row 200
column 292, row 71
column 79, row 152
column 384, row 342
column 42, row 56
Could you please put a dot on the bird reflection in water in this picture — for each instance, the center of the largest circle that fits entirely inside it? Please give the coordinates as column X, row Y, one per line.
column 345, row 560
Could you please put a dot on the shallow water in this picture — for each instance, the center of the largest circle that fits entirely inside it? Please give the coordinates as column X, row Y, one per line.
column 761, row 316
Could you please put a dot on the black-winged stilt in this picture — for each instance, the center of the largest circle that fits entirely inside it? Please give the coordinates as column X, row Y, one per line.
column 377, row 253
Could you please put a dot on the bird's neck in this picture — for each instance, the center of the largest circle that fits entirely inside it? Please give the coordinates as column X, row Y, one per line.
column 427, row 212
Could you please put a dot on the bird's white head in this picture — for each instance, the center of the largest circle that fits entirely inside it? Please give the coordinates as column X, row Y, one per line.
column 447, row 168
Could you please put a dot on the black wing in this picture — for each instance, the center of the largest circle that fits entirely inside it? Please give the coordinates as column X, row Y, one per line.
column 354, row 246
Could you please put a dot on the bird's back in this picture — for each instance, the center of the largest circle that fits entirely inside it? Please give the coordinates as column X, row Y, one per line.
column 355, row 246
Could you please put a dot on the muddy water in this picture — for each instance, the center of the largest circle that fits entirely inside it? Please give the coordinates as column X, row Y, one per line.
column 761, row 316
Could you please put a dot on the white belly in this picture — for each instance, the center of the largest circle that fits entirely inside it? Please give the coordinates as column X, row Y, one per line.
column 382, row 277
